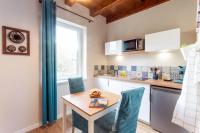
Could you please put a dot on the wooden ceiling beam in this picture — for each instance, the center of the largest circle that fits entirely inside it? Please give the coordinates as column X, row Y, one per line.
column 146, row 4
column 70, row 2
column 115, row 9
column 102, row 8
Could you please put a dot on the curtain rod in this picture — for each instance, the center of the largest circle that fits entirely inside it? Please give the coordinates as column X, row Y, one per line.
column 89, row 20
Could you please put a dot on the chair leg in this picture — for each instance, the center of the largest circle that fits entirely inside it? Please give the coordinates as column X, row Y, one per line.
column 73, row 129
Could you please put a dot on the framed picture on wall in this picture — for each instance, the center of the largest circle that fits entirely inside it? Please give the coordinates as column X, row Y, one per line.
column 15, row 41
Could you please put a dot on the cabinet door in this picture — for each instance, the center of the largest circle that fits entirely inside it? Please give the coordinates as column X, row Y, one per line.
column 115, row 86
column 165, row 40
column 113, row 48
column 144, row 114
column 101, row 83
column 107, row 49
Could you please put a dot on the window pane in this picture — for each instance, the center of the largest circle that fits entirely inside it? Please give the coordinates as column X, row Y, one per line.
column 68, row 45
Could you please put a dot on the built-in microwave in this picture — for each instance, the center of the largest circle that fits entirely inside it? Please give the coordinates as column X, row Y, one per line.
column 133, row 45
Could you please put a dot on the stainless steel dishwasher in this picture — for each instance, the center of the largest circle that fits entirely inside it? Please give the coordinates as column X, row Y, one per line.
column 163, row 101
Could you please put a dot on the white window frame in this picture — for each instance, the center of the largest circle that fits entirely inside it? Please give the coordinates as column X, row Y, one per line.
column 82, row 56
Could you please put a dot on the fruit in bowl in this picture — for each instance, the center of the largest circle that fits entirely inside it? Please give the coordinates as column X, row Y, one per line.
column 95, row 93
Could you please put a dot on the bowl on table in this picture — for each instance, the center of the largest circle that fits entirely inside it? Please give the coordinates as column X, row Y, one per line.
column 95, row 93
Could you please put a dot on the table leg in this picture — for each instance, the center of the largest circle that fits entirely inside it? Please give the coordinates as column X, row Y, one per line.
column 64, row 117
column 91, row 126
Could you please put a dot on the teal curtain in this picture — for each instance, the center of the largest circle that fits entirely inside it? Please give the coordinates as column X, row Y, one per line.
column 49, row 87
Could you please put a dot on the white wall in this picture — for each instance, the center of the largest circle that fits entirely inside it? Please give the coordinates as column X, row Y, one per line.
column 19, row 75
column 169, row 15
column 20, row 93
column 173, row 58
column 96, row 37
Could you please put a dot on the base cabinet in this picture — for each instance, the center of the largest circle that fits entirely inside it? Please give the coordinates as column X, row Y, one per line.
column 101, row 83
column 116, row 86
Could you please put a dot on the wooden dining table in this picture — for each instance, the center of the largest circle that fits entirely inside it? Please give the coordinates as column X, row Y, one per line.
column 79, row 102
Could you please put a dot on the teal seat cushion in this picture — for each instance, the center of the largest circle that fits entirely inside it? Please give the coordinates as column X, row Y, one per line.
column 105, row 123
column 79, row 122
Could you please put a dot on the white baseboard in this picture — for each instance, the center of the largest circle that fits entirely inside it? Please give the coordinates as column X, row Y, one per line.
column 29, row 128
column 37, row 125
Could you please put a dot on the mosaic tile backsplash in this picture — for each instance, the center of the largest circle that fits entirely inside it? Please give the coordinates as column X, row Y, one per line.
column 138, row 72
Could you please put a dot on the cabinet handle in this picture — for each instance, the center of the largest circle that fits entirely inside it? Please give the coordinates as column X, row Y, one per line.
column 150, row 97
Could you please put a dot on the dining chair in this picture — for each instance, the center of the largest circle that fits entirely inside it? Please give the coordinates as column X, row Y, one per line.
column 124, row 120
column 76, row 85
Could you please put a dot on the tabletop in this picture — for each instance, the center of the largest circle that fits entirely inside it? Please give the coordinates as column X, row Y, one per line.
column 82, row 100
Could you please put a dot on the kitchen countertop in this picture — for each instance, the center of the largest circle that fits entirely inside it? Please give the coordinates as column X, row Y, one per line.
column 162, row 83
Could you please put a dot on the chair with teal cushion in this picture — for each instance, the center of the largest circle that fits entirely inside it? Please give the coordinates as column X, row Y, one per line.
column 125, row 119
column 76, row 85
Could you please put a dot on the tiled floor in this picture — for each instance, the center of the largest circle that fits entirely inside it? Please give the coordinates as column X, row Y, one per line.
column 57, row 128
column 143, row 128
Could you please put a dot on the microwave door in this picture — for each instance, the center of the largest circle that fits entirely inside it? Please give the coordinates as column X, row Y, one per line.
column 130, row 45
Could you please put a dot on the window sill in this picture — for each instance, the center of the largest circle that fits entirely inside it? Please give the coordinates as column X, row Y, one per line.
column 60, row 82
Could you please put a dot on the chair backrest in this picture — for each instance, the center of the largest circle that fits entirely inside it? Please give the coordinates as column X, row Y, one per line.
column 76, row 85
column 127, row 115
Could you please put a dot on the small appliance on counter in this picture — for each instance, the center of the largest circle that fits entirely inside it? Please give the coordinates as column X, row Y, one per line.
column 181, row 75
column 166, row 77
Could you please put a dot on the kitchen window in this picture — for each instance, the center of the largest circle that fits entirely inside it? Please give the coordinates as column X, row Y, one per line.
column 70, row 43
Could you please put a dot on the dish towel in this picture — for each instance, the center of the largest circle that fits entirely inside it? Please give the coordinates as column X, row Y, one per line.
column 187, row 110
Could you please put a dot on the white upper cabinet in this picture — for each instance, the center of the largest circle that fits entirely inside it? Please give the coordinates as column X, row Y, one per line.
column 165, row 40
column 114, row 47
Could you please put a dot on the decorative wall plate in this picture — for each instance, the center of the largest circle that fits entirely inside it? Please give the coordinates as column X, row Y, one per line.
column 15, row 41
column 16, row 37
column 22, row 49
column 11, row 48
